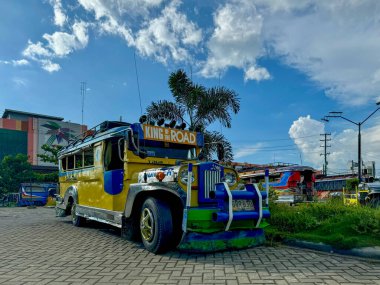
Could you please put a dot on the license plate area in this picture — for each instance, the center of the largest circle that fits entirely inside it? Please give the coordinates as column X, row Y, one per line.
column 242, row 205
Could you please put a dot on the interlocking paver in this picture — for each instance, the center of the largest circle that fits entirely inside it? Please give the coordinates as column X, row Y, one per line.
column 38, row 248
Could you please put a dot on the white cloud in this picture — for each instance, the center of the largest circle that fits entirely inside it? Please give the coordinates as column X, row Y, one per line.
column 335, row 43
column 343, row 144
column 168, row 36
column 19, row 82
column 236, row 40
column 107, row 14
column 305, row 133
column 59, row 16
column 19, row 62
column 50, row 66
column 256, row 73
column 62, row 44
column 36, row 51
column 116, row 9
column 59, row 44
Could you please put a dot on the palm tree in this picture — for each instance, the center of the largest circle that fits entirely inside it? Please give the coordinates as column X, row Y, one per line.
column 198, row 107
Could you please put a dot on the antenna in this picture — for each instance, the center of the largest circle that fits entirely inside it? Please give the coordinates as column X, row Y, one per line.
column 138, row 84
column 83, row 93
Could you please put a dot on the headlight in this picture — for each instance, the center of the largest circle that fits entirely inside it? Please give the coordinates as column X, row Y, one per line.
column 183, row 176
column 230, row 178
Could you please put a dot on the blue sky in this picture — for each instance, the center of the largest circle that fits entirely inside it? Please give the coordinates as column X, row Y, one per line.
column 291, row 62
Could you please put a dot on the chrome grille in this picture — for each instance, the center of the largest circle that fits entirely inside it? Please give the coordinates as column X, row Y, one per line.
column 211, row 177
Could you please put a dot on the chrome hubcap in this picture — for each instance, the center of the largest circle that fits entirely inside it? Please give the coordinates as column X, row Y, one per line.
column 147, row 224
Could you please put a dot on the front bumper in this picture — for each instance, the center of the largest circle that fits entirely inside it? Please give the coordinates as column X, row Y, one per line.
column 226, row 240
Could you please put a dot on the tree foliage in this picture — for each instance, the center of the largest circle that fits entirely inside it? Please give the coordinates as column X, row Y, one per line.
column 14, row 170
column 352, row 183
column 50, row 154
column 198, row 107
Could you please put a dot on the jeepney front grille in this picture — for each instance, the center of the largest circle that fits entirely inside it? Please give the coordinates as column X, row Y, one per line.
column 211, row 178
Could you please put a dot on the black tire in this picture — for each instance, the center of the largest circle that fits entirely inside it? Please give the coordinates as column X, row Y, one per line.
column 156, row 225
column 375, row 202
column 77, row 221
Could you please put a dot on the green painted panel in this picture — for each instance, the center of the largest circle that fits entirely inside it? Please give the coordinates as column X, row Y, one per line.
column 13, row 142
column 200, row 220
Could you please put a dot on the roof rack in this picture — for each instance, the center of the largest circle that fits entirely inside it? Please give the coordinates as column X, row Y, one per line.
column 91, row 133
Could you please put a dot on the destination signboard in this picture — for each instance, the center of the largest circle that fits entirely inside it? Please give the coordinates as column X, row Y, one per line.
column 169, row 135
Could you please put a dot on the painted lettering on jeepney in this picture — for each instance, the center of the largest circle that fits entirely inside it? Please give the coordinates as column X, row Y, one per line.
column 169, row 135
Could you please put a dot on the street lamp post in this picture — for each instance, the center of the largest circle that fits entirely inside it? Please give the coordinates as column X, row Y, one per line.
column 359, row 124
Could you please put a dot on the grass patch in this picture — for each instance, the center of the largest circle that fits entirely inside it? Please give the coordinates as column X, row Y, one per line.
column 332, row 223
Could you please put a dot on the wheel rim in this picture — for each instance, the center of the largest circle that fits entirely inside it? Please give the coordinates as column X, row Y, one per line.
column 147, row 224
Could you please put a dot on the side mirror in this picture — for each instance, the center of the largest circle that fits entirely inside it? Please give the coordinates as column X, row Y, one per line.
column 220, row 151
column 135, row 148
column 142, row 154
column 201, row 155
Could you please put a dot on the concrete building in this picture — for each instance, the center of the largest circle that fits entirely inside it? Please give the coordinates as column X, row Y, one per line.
column 24, row 132
column 368, row 169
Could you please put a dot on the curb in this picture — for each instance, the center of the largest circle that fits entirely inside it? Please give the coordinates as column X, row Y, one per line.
column 365, row 252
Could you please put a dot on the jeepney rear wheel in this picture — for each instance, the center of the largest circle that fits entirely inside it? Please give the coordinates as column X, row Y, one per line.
column 156, row 225
column 78, row 221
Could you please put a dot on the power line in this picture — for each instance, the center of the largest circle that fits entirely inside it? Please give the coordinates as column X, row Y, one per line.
column 270, row 147
column 267, row 140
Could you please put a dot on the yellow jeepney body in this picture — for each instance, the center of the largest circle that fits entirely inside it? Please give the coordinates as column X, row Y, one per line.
column 133, row 175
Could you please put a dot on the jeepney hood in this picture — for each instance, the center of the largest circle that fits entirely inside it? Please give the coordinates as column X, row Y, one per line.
column 149, row 175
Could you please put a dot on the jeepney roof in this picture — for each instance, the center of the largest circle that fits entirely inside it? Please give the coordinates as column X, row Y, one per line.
column 110, row 129
column 91, row 139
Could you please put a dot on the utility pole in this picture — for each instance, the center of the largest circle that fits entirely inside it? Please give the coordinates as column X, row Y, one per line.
column 325, row 154
column 334, row 114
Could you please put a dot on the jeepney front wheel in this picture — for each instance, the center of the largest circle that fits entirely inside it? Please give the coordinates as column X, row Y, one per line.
column 78, row 221
column 156, row 225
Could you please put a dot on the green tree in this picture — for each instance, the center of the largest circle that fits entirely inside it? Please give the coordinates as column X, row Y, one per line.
column 352, row 183
column 50, row 154
column 198, row 107
column 14, row 170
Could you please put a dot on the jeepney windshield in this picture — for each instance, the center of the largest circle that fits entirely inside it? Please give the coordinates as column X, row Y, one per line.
column 177, row 153
column 34, row 188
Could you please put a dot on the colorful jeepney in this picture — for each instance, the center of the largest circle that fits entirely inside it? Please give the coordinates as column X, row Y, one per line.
column 37, row 194
column 149, row 181
column 292, row 184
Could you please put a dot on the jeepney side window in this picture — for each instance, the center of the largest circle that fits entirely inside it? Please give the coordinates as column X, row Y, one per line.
column 70, row 162
column 78, row 160
column 88, row 157
column 63, row 163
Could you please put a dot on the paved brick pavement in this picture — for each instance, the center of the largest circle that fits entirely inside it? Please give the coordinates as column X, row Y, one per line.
column 38, row 248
